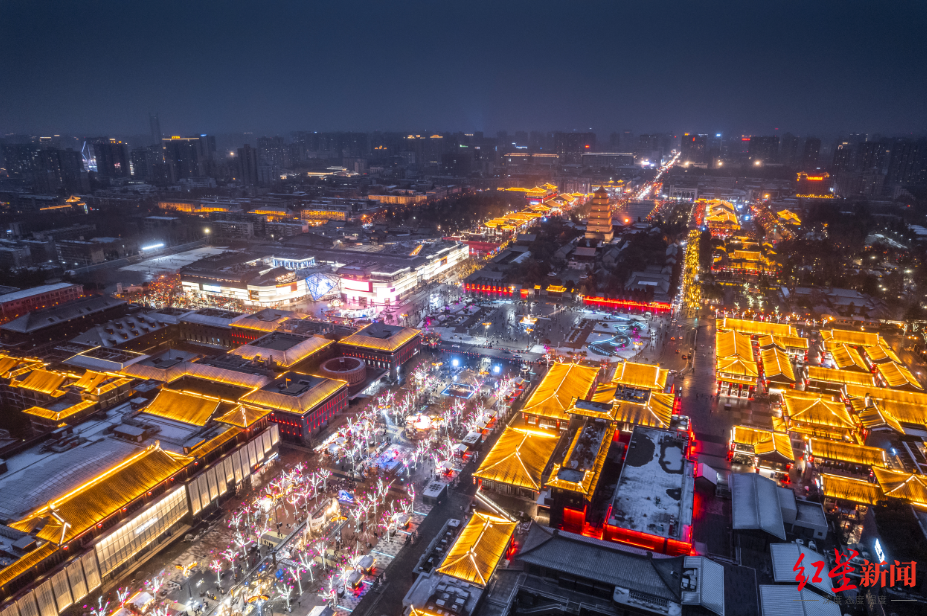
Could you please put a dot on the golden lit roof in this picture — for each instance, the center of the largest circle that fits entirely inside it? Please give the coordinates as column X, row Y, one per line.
column 758, row 328
column 27, row 562
column 880, row 353
column 284, row 357
column 837, row 434
column 243, row 416
column 886, row 393
column 14, row 366
column 226, row 376
column 519, row 457
column 907, row 486
column 286, row 393
column 789, row 217
column 737, row 367
column 590, row 477
column 105, row 494
column 554, row 394
column 391, row 344
column 420, row 611
column 854, row 338
column 90, row 380
column 873, row 416
column 897, row 375
column 846, row 452
column 478, row 549
column 844, row 377
column 818, row 412
column 640, row 376
column 204, row 449
column 889, row 412
column 184, row 407
column 776, row 364
column 655, row 413
column 764, row 441
column 42, row 381
column 792, row 342
column 853, row 490
column 847, row 358
column 74, row 409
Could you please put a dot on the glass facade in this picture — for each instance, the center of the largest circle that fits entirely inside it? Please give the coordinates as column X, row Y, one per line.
column 129, row 539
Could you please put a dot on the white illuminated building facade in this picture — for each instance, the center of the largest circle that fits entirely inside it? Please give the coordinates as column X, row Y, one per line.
column 290, row 275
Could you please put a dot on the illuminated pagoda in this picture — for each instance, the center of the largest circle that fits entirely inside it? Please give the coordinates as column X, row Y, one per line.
column 599, row 225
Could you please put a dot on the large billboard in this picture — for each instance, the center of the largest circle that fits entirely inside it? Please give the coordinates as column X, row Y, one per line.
column 356, row 285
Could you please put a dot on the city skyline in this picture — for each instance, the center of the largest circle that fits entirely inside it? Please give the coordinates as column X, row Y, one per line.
column 828, row 69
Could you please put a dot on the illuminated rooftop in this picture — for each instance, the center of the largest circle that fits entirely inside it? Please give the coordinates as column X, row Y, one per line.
column 294, row 392
column 555, row 393
column 478, row 549
column 283, row 348
column 103, row 495
column 381, row 337
column 519, row 458
column 655, row 490
column 581, row 467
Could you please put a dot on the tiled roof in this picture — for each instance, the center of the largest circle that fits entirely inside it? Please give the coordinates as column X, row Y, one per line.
column 478, row 549
column 103, row 495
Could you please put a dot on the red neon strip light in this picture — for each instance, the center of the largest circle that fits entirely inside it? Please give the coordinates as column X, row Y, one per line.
column 627, row 303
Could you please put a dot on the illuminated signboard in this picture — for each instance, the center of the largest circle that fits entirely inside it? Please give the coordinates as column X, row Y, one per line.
column 356, row 285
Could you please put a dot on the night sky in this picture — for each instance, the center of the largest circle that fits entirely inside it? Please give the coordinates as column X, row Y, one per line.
column 94, row 67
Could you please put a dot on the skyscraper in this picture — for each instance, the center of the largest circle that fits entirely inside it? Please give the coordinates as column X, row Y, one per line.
column 788, row 150
column 112, row 158
column 694, row 148
column 810, row 153
column 247, row 166
column 764, row 150
column 155, row 128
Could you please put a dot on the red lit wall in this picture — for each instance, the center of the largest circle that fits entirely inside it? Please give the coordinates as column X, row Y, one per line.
column 646, row 541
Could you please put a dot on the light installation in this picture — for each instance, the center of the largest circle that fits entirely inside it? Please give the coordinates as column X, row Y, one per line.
column 321, row 285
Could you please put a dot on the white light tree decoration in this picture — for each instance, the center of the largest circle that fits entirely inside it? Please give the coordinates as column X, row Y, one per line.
column 296, row 571
column 230, row 555
column 324, row 474
column 216, row 565
column 100, row 609
column 242, row 541
column 121, row 595
column 308, row 563
column 286, row 594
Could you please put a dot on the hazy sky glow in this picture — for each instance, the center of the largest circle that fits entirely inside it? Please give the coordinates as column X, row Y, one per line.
column 99, row 67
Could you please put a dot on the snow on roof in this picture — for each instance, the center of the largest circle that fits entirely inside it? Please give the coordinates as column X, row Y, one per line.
column 756, row 504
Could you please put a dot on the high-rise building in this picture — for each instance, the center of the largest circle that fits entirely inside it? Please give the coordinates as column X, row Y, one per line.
column 571, row 146
column 272, row 152
column 112, row 158
column 46, row 169
column 788, row 150
column 187, row 156
column 145, row 162
column 247, row 165
column 810, row 153
column 694, row 149
column 763, row 150
column 843, row 157
column 155, row 124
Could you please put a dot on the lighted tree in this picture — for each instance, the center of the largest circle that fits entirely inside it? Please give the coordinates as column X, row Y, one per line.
column 216, row 565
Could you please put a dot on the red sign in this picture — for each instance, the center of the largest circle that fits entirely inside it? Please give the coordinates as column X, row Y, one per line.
column 873, row 574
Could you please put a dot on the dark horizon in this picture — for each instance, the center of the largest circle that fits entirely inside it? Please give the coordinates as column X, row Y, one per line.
column 232, row 67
